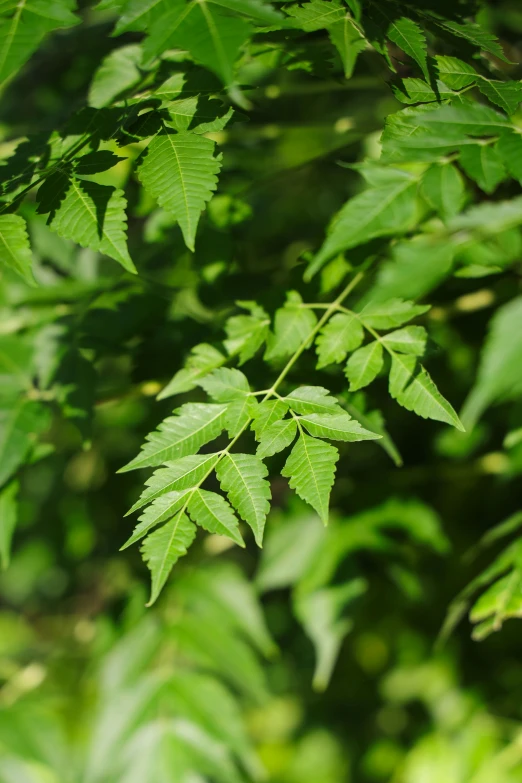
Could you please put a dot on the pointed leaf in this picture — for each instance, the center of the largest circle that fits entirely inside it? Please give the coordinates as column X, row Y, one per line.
column 312, row 399
column 266, row 414
column 242, row 477
column 409, row 37
column 509, row 147
column 184, row 473
column 484, row 165
column 118, row 72
column 161, row 509
column 413, row 388
column 388, row 315
column 163, row 548
column 180, row 170
column 348, row 41
column 293, row 326
column 342, row 333
column 277, row 437
column 225, row 384
column 239, row 413
column 456, row 73
column 364, row 365
column 340, row 426
column 15, row 250
column 410, row 339
column 203, row 359
column 311, row 470
column 178, row 436
column 507, row 95
column 213, row 513
column 94, row 216
column 443, row 188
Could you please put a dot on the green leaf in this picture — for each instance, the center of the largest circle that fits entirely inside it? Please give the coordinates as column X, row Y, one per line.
column 225, row 384
column 266, row 413
column 276, row 437
column 340, row 426
column 412, row 90
column 413, row 388
column 348, row 41
column 213, row 38
column 160, row 510
column 409, row 37
column 341, row 334
column 94, row 216
column 23, row 27
column 364, row 365
column 311, row 470
column 246, row 333
column 180, row 171
column 312, row 399
column 500, row 370
column 213, row 513
column 197, row 114
column 119, row 71
column 320, row 613
column 258, row 10
column 507, row 95
column 509, row 147
column 163, row 548
column 484, row 165
column 316, row 14
column 203, row 360
column 21, row 420
column 443, row 188
column 456, row 73
column 242, row 477
column 8, row 519
column 475, row 34
column 238, row 415
column 292, row 327
column 135, row 15
column 380, row 211
column 15, row 250
column 178, row 436
column 410, row 339
column 180, row 474
column 388, row 315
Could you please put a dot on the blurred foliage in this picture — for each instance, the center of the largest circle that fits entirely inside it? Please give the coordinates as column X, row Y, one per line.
column 315, row 659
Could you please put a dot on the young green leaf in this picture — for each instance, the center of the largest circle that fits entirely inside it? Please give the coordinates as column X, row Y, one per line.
column 340, row 426
column 239, row 412
column 184, row 473
column 160, row 510
column 225, row 384
column 247, row 333
column 413, row 388
column 276, row 437
column 292, row 327
column 212, row 37
column 8, row 519
column 507, row 95
column 388, row 315
column 341, row 334
column 213, row 513
column 311, row 470
column 379, row 211
column 178, row 436
column 456, row 73
column 180, row 171
column 348, row 41
column 312, row 399
column 242, row 477
column 163, row 548
column 509, row 147
column 203, row 360
column 94, row 216
column 409, row 36
column 364, row 365
column 266, row 413
column 443, row 188
column 316, row 14
column 119, row 71
column 15, row 250
column 484, row 165
column 410, row 339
